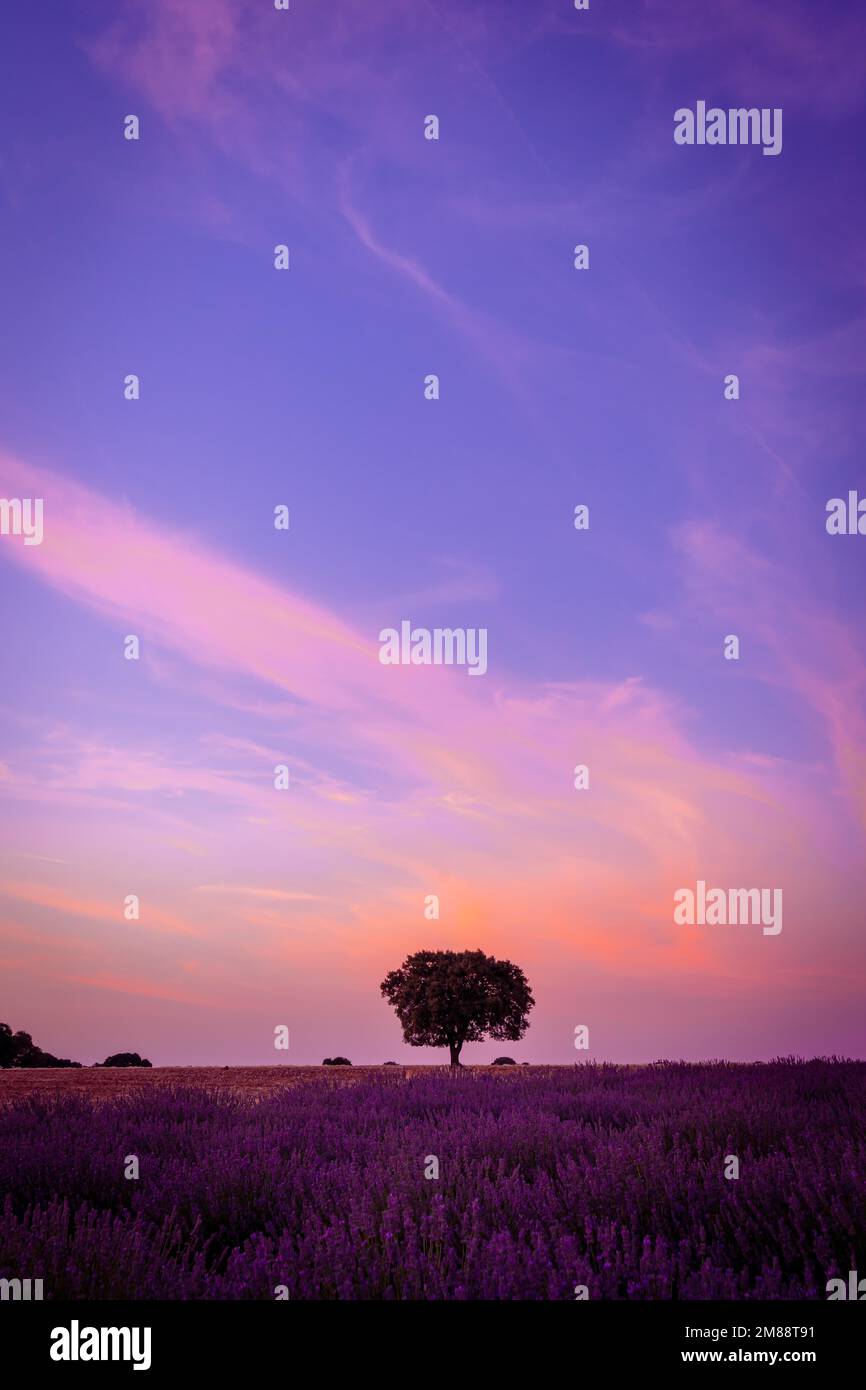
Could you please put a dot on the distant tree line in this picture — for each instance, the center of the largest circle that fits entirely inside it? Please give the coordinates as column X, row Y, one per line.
column 19, row 1050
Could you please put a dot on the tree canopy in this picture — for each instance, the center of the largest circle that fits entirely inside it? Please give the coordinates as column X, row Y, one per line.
column 448, row 998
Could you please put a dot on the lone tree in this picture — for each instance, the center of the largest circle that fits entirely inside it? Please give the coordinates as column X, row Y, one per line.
column 448, row 998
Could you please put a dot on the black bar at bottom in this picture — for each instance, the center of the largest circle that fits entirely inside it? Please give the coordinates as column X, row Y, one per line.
column 245, row 1337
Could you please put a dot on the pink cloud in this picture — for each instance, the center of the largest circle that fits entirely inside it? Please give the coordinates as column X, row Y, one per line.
column 95, row 910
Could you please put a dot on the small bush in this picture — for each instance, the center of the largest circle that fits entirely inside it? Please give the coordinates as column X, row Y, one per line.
column 124, row 1059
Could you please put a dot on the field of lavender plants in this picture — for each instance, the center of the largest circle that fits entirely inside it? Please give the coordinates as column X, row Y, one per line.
column 549, row 1178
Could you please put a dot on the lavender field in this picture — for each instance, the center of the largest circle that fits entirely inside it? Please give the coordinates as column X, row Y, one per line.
column 549, row 1178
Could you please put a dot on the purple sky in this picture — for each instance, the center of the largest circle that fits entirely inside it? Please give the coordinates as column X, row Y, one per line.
column 558, row 387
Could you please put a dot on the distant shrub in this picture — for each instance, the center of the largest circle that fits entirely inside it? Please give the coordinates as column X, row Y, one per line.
column 390, row 1064
column 503, row 1062
column 124, row 1059
column 336, row 1062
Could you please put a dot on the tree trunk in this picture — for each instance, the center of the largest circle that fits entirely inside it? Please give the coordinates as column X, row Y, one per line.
column 455, row 1054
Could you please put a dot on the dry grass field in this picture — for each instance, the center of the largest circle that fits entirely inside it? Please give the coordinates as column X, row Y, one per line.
column 107, row 1083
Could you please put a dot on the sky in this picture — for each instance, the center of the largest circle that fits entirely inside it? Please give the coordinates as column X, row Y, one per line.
column 262, row 907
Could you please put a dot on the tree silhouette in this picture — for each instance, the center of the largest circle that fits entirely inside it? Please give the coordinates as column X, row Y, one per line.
column 448, row 998
column 19, row 1050
column 124, row 1059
